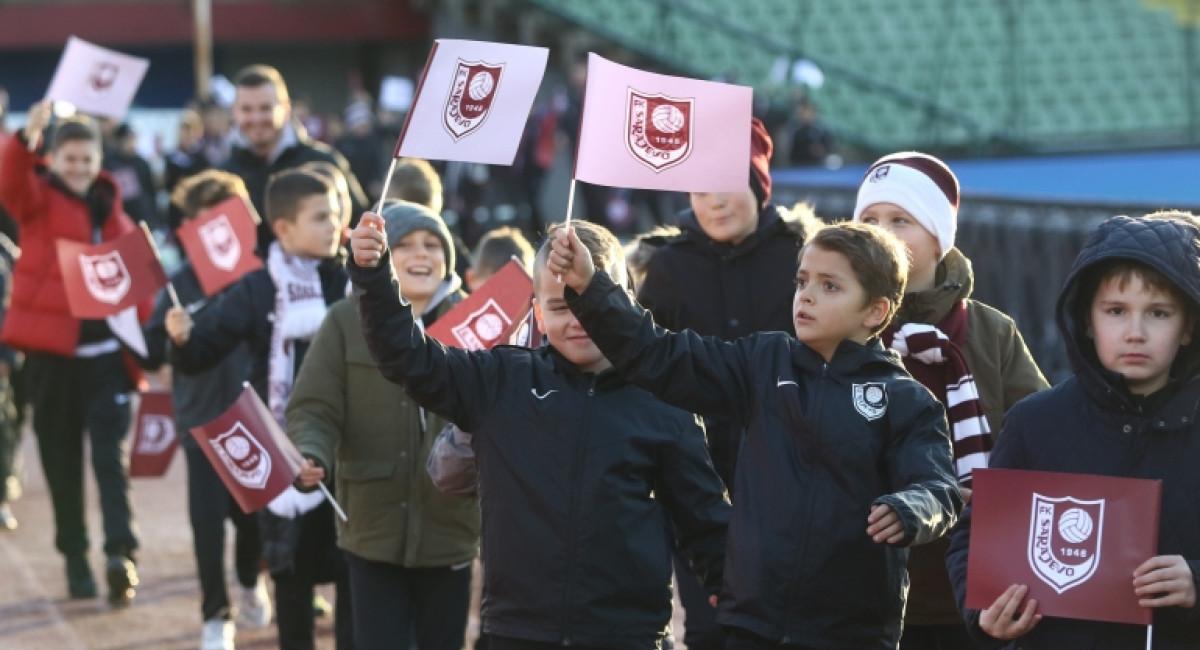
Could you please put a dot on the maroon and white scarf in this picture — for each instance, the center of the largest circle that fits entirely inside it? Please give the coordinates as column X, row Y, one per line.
column 933, row 356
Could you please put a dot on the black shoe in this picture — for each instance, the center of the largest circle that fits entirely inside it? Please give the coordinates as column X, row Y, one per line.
column 7, row 520
column 122, row 580
column 80, row 583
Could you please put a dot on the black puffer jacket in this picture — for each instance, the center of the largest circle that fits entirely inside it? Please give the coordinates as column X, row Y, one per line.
column 728, row 291
column 1110, row 431
column 578, row 474
column 824, row 442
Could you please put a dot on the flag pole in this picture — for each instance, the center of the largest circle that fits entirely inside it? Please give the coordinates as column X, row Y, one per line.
column 158, row 256
column 332, row 501
column 570, row 209
column 1150, row 636
column 387, row 182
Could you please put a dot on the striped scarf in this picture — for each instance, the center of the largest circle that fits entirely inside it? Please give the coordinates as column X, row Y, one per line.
column 933, row 356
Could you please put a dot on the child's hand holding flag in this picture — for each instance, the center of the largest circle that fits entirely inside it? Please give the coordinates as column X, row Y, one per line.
column 368, row 241
column 570, row 260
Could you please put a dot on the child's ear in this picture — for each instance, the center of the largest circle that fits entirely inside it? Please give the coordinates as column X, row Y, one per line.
column 877, row 313
column 281, row 227
column 537, row 315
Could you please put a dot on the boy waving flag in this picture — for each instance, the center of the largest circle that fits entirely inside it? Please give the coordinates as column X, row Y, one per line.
column 658, row 132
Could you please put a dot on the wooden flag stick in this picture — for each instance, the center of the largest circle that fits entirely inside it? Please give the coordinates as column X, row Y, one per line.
column 158, row 256
column 332, row 501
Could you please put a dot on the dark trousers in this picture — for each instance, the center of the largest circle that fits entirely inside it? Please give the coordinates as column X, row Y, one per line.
column 10, row 435
column 701, row 631
column 509, row 643
column 209, row 505
column 936, row 637
column 393, row 604
column 69, row 396
column 314, row 561
column 738, row 639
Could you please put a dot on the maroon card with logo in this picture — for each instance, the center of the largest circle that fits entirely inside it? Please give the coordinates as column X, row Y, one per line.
column 489, row 316
column 1073, row 539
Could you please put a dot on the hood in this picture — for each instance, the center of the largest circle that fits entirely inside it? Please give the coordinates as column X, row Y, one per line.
column 954, row 282
column 1169, row 246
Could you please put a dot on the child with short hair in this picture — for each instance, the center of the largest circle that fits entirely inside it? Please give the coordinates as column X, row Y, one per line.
column 494, row 250
column 77, row 375
column 969, row 355
column 198, row 399
column 275, row 311
column 578, row 470
column 1127, row 313
column 835, row 430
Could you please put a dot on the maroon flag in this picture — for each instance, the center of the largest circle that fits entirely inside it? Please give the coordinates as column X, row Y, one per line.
column 254, row 458
column 154, row 437
column 220, row 244
column 104, row 279
column 1073, row 539
column 489, row 316
column 527, row 334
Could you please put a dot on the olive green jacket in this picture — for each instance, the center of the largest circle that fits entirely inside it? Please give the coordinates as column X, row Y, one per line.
column 1004, row 372
column 346, row 416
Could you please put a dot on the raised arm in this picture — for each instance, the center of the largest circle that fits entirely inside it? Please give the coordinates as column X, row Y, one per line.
column 22, row 191
column 218, row 330
column 698, row 374
column 458, row 385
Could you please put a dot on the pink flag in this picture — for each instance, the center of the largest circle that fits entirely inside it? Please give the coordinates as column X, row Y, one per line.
column 154, row 437
column 220, row 244
column 97, row 80
column 473, row 101
column 657, row 132
column 250, row 452
column 489, row 316
column 104, row 279
column 1073, row 539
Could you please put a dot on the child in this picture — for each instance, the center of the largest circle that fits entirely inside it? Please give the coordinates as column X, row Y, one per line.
column 950, row 343
column 1127, row 313
column 577, row 469
column 75, row 372
column 409, row 547
column 846, row 460
column 493, row 251
column 276, row 311
column 199, row 399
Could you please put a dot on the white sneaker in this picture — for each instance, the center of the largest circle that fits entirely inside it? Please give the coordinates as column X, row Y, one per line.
column 217, row 634
column 254, row 607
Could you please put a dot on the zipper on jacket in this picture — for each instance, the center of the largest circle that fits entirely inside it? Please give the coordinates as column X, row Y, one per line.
column 573, row 507
column 802, row 549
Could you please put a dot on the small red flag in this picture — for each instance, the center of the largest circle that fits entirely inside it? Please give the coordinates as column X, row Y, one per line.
column 1073, row 539
column 220, row 244
column 489, row 316
column 254, row 458
column 154, row 436
column 107, row 278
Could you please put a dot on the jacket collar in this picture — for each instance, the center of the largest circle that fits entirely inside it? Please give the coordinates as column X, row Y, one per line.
column 849, row 358
column 954, row 282
column 605, row 380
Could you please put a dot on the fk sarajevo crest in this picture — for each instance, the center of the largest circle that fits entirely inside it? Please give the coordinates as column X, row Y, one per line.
column 158, row 433
column 247, row 461
column 1064, row 540
column 221, row 243
column 472, row 90
column 658, row 129
column 106, row 277
column 483, row 327
column 102, row 76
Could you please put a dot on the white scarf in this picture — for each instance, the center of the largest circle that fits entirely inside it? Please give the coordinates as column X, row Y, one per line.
column 299, row 310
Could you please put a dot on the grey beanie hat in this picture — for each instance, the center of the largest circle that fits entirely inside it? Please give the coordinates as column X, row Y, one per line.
column 403, row 217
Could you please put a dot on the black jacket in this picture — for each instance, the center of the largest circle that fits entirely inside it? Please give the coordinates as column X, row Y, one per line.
column 256, row 171
column 577, row 476
column 1112, row 432
column 242, row 314
column 824, row 442
column 716, row 289
column 198, row 398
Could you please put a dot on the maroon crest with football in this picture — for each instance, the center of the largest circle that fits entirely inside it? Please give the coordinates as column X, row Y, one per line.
column 473, row 88
column 658, row 129
column 103, row 75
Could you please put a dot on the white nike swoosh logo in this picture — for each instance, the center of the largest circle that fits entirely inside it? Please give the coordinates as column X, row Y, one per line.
column 785, row 382
column 543, row 396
